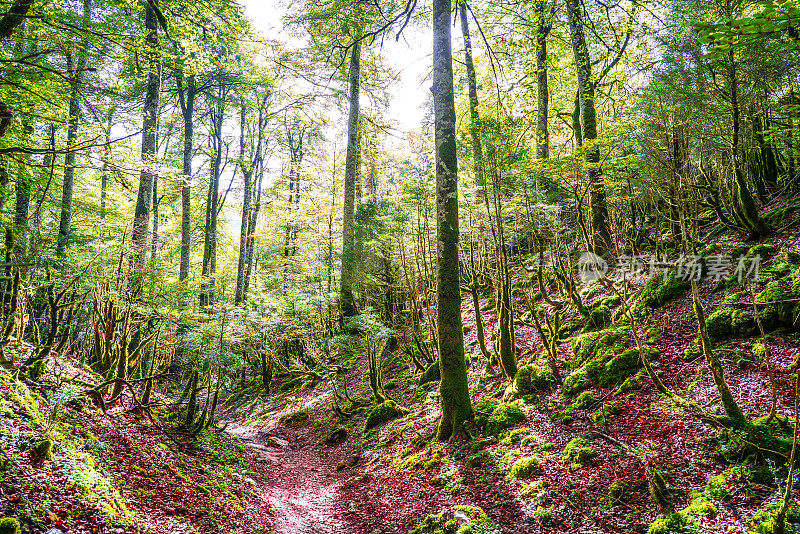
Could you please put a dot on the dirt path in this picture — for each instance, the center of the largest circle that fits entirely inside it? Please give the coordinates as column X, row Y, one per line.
column 297, row 481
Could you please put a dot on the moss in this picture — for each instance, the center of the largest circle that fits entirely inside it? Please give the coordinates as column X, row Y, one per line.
column 569, row 328
column 699, row 508
column 617, row 490
column 693, row 350
column 578, row 453
column 477, row 459
column 515, row 436
column 597, row 317
column 725, row 322
column 718, row 487
column 293, row 383
column 530, row 379
column 336, row 435
column 524, row 468
column 763, row 250
column 44, row 450
column 545, row 516
column 764, row 521
column 631, row 383
column 294, row 418
column 584, row 400
column 666, row 525
column 431, row 374
column 600, row 358
column 9, row 525
column 603, row 414
column 657, row 292
column 433, row 523
column 383, row 412
column 501, row 417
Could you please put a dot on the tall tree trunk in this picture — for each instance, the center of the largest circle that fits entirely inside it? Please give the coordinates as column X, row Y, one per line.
column 748, row 210
column 251, row 238
column 456, row 405
column 601, row 234
column 154, row 239
column 542, row 92
column 76, row 72
column 187, row 98
column 106, row 162
column 347, row 303
column 212, row 203
column 474, row 125
column 144, row 197
column 247, row 174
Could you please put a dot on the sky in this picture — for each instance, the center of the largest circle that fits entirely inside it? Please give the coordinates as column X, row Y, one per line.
column 410, row 56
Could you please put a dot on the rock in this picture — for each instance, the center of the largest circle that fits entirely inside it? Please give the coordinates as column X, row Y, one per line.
column 383, row 412
column 54, row 531
column 275, row 443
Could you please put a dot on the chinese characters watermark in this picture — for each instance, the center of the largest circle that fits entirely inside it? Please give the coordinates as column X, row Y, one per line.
column 637, row 267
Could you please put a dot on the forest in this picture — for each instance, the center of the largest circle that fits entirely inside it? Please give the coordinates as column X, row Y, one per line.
column 399, row 267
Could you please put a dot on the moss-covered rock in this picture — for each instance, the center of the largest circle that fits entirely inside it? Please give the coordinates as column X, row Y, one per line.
column 726, row 322
column 43, row 450
column 337, row 434
column 9, row 525
column 764, row 251
column 294, row 418
column 667, row 525
column 657, row 292
column 578, row 453
column 598, row 316
column 618, row 490
column 524, row 468
column 292, row 383
column 530, row 379
column 584, row 400
column 383, row 412
column 431, row 374
column 503, row 417
column 693, row 350
column 600, row 358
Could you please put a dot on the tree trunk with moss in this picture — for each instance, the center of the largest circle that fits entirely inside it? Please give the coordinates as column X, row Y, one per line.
column 748, row 211
column 346, row 301
column 456, row 404
column 474, row 126
column 598, row 208
column 732, row 409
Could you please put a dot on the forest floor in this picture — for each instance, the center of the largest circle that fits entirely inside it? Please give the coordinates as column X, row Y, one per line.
column 272, row 466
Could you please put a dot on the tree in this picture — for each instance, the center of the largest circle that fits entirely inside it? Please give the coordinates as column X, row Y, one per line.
column 76, row 67
column 456, row 404
column 601, row 234
column 347, row 303
column 149, row 137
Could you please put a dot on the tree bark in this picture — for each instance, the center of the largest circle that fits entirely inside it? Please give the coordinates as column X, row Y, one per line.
column 347, row 303
column 601, row 234
column 247, row 174
column 456, row 405
column 187, row 98
column 212, row 203
column 474, row 125
column 149, row 133
column 76, row 71
column 542, row 92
